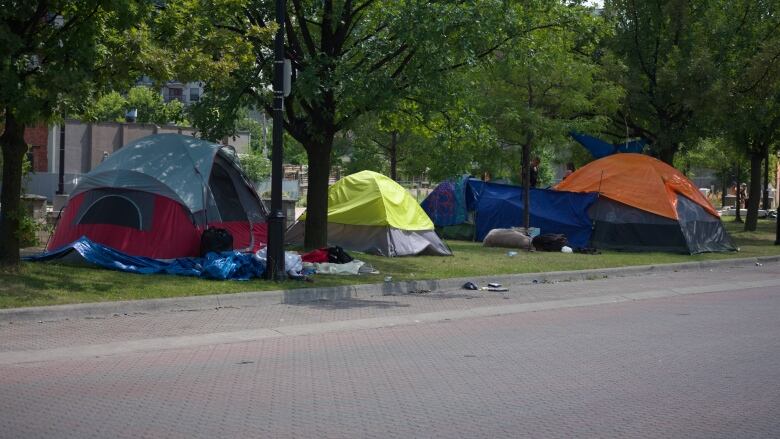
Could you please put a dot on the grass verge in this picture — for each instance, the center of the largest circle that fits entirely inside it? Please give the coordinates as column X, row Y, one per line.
column 50, row 284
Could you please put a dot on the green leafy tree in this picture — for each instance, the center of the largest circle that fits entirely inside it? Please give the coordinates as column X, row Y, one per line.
column 111, row 107
column 433, row 134
column 719, row 155
column 258, row 138
column 547, row 86
column 358, row 57
column 256, row 165
column 53, row 54
column 669, row 74
column 152, row 108
column 747, row 54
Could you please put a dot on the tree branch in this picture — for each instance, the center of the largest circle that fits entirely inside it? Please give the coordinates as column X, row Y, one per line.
column 389, row 57
column 403, row 64
column 307, row 39
column 501, row 43
column 767, row 70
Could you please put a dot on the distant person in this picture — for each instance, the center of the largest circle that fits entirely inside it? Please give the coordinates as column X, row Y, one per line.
column 743, row 195
column 569, row 170
column 105, row 156
column 534, row 171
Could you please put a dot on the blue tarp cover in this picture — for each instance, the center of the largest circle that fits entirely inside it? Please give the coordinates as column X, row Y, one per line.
column 501, row 206
column 599, row 148
column 446, row 204
column 227, row 265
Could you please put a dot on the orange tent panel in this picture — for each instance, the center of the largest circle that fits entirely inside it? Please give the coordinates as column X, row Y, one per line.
column 636, row 180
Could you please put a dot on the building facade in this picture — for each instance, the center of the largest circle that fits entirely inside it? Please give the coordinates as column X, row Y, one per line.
column 185, row 92
column 85, row 145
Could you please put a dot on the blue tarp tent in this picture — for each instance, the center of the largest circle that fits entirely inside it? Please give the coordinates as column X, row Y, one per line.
column 446, row 204
column 501, row 206
column 599, row 148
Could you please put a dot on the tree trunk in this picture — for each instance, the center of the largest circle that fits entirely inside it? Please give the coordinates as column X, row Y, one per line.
column 666, row 154
column 724, row 189
column 394, row 155
column 754, row 190
column 316, row 235
column 526, row 184
column 14, row 148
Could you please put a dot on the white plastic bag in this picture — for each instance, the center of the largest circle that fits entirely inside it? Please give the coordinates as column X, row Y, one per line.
column 293, row 264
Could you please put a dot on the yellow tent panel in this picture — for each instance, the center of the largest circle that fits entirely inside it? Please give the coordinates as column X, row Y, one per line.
column 368, row 198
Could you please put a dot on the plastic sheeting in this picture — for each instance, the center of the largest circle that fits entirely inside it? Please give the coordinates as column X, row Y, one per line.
column 501, row 206
column 293, row 263
column 349, row 268
column 368, row 198
column 222, row 266
column 636, row 180
column 599, row 148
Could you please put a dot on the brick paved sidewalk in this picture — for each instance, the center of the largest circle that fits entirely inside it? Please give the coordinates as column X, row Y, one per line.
column 693, row 366
column 30, row 336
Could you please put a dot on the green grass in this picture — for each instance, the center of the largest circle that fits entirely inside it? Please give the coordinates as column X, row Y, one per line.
column 50, row 284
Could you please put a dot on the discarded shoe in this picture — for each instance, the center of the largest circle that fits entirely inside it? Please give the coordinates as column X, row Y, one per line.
column 470, row 286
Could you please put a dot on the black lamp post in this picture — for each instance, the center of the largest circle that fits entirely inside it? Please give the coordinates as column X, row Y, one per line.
column 276, row 218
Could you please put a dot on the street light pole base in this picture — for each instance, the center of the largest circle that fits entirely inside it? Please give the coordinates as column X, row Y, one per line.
column 275, row 269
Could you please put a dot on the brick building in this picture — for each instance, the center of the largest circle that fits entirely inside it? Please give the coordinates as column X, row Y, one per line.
column 38, row 138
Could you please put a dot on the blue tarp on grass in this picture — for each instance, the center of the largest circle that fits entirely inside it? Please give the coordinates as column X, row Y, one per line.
column 227, row 265
column 501, row 206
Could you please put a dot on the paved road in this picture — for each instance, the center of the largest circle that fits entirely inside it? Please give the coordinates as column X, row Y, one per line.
column 690, row 365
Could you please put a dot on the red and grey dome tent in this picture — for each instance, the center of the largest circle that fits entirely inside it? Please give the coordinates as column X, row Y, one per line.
column 155, row 196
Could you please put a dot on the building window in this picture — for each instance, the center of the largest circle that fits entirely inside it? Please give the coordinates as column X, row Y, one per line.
column 194, row 94
column 174, row 94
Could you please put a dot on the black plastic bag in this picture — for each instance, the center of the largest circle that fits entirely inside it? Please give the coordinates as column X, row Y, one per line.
column 337, row 255
column 550, row 242
column 215, row 240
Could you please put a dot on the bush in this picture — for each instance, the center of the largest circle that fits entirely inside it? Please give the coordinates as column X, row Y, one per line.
column 256, row 166
column 28, row 231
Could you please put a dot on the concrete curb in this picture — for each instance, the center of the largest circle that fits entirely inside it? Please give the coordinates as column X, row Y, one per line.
column 301, row 295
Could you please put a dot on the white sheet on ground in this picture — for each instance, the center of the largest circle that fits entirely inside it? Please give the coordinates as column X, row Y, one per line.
column 328, row 268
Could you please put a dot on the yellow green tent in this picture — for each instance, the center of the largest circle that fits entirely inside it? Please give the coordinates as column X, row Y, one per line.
column 370, row 212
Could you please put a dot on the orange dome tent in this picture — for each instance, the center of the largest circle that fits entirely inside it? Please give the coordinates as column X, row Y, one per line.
column 645, row 204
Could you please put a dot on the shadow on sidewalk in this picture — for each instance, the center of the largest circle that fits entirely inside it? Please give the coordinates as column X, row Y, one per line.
column 353, row 303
